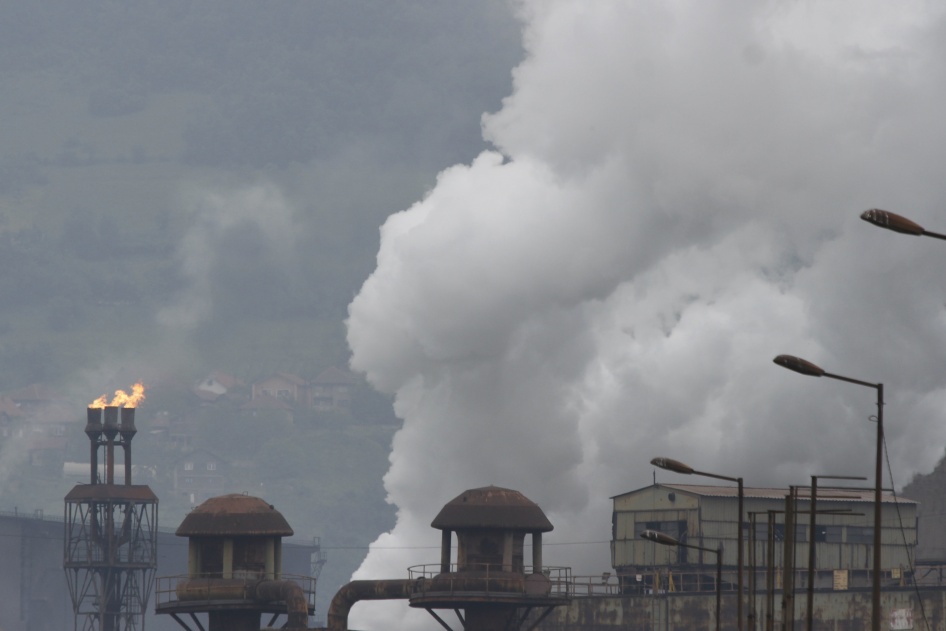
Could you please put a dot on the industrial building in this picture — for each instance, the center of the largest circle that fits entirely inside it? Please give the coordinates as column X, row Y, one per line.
column 674, row 587
column 649, row 586
column 706, row 516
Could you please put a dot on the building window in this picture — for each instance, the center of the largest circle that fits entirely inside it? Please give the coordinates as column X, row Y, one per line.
column 801, row 533
column 188, row 466
column 211, row 466
column 860, row 534
column 828, row 534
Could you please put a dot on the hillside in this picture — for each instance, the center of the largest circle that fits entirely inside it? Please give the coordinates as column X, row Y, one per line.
column 189, row 187
column 275, row 141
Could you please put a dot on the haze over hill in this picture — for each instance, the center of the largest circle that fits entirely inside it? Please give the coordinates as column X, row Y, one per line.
column 188, row 187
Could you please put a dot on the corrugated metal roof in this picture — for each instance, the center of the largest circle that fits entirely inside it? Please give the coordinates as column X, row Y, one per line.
column 775, row 493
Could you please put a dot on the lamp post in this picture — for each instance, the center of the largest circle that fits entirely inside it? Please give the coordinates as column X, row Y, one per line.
column 667, row 540
column 897, row 223
column 678, row 467
column 803, row 367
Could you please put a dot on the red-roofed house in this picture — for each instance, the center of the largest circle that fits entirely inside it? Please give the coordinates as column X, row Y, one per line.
column 285, row 387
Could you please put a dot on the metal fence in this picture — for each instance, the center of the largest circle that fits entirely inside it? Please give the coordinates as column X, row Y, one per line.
column 171, row 589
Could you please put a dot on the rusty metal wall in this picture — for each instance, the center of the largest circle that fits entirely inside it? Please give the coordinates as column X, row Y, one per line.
column 904, row 608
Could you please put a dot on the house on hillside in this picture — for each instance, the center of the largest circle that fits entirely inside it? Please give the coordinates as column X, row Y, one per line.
column 200, row 475
column 268, row 406
column 41, row 403
column 175, row 430
column 31, row 414
column 45, row 450
column 215, row 385
column 33, row 396
column 334, row 389
column 285, row 387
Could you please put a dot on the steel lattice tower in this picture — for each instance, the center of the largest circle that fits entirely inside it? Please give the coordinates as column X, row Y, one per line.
column 111, row 533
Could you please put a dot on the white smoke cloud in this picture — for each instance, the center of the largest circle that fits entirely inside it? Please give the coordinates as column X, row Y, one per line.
column 672, row 202
column 214, row 211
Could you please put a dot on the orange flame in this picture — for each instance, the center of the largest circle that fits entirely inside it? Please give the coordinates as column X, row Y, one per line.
column 122, row 399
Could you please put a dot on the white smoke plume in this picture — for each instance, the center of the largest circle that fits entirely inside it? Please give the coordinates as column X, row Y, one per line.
column 215, row 210
column 673, row 201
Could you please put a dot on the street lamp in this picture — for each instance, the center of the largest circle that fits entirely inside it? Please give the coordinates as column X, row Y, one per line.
column 667, row 540
column 678, row 467
column 807, row 368
column 897, row 223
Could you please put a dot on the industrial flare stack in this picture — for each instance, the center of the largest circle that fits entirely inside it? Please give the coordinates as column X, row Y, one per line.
column 110, row 532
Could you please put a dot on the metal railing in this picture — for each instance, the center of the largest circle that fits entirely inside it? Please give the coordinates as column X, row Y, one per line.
column 242, row 586
column 669, row 581
column 488, row 578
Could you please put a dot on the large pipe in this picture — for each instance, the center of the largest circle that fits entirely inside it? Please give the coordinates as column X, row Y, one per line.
column 348, row 595
column 297, row 609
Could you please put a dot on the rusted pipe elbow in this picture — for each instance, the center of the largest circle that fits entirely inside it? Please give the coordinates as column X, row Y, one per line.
column 348, row 595
column 297, row 609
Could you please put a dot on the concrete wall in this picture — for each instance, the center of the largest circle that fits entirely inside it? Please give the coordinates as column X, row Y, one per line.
column 33, row 591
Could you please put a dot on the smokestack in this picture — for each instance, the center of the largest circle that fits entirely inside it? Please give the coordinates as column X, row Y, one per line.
column 111, row 431
column 128, row 432
column 93, row 430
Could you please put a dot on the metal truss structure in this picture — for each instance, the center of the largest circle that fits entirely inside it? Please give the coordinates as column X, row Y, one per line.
column 110, row 547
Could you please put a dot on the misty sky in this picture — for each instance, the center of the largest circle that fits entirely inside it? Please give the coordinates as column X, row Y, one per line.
column 672, row 200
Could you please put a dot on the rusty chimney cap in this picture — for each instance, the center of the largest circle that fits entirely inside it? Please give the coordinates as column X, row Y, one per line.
column 235, row 514
column 492, row 507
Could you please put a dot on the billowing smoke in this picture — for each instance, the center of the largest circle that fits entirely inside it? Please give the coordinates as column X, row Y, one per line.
column 673, row 201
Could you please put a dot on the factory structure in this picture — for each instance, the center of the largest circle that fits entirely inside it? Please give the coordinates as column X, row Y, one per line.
column 234, row 570
column 707, row 516
column 789, row 558
column 110, row 550
column 795, row 552
column 486, row 579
